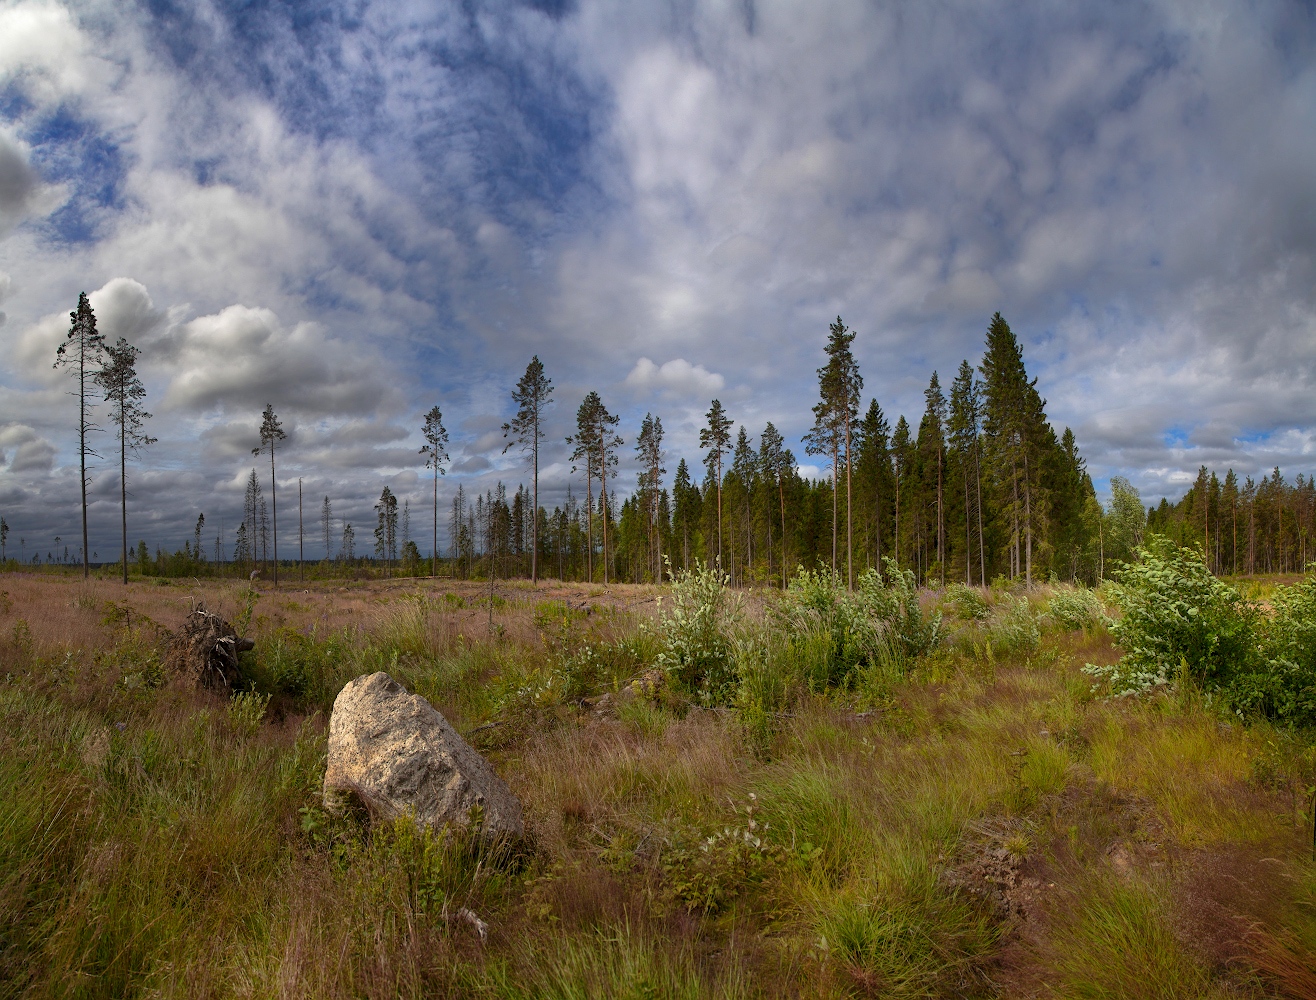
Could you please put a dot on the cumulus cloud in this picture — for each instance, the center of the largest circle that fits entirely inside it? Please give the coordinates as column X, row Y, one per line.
column 330, row 217
column 22, row 193
column 677, row 376
column 243, row 357
column 23, row 450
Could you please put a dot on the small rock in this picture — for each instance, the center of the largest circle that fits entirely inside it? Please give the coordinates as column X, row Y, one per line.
column 398, row 755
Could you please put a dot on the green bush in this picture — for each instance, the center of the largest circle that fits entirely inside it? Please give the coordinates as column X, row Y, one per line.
column 1015, row 629
column 1176, row 614
column 968, row 603
column 695, row 635
column 1285, row 686
column 1075, row 609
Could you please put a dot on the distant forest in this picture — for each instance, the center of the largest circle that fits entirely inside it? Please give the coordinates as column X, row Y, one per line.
column 980, row 486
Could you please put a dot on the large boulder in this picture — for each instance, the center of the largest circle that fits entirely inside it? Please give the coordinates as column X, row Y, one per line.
column 398, row 755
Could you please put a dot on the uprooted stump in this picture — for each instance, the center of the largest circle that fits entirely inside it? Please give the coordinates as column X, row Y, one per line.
column 206, row 648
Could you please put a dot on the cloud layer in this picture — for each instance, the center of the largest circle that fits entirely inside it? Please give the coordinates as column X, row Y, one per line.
column 374, row 208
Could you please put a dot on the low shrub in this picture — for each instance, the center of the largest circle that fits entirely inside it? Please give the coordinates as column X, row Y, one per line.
column 968, row 603
column 1075, row 609
column 1015, row 628
column 1178, row 615
column 695, row 636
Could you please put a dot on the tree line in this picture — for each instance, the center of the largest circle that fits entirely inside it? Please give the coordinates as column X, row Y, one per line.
column 978, row 486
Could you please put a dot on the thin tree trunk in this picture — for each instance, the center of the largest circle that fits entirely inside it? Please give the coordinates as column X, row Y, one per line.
column 301, row 541
column 274, row 506
column 849, row 516
column 534, row 514
column 982, row 545
column 781, row 493
column 1028, row 525
column 82, row 451
column 123, row 495
column 835, row 490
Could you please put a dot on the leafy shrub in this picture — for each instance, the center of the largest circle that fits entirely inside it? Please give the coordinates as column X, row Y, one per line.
column 695, row 636
column 839, row 636
column 907, row 630
column 968, row 603
column 1285, row 687
column 1015, row 629
column 1075, row 609
column 246, row 709
column 1175, row 612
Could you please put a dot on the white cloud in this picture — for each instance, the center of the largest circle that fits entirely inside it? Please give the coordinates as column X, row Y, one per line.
column 677, row 376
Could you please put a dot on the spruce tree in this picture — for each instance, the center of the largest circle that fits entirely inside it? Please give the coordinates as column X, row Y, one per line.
column 778, row 462
column 271, row 431
column 586, row 446
column 931, row 439
column 81, row 353
column 649, row 451
column 1014, row 424
column 965, row 412
column 873, row 465
column 532, row 397
column 124, row 392
column 901, row 449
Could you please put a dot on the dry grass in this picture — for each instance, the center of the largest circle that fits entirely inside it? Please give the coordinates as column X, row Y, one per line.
column 988, row 829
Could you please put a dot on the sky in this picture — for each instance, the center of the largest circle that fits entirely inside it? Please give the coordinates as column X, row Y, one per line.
column 355, row 211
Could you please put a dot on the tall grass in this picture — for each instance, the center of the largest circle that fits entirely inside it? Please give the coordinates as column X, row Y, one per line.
column 928, row 824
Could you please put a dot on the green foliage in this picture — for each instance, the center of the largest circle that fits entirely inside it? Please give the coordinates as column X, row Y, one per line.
column 1075, row 609
column 968, row 603
column 246, row 709
column 1175, row 612
column 696, row 634
column 1285, row 686
column 1015, row 629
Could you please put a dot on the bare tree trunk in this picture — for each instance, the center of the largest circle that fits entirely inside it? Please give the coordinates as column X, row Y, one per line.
column 849, row 516
column 123, row 497
column 274, row 506
column 982, row 545
column 301, row 541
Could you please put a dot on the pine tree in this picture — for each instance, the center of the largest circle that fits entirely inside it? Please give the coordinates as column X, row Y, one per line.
column 532, row 397
column 435, row 451
column 716, row 437
column 81, row 352
column 270, row 432
column 124, row 391
column 744, row 463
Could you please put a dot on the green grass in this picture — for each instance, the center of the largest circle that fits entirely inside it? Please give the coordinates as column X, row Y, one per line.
column 983, row 826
